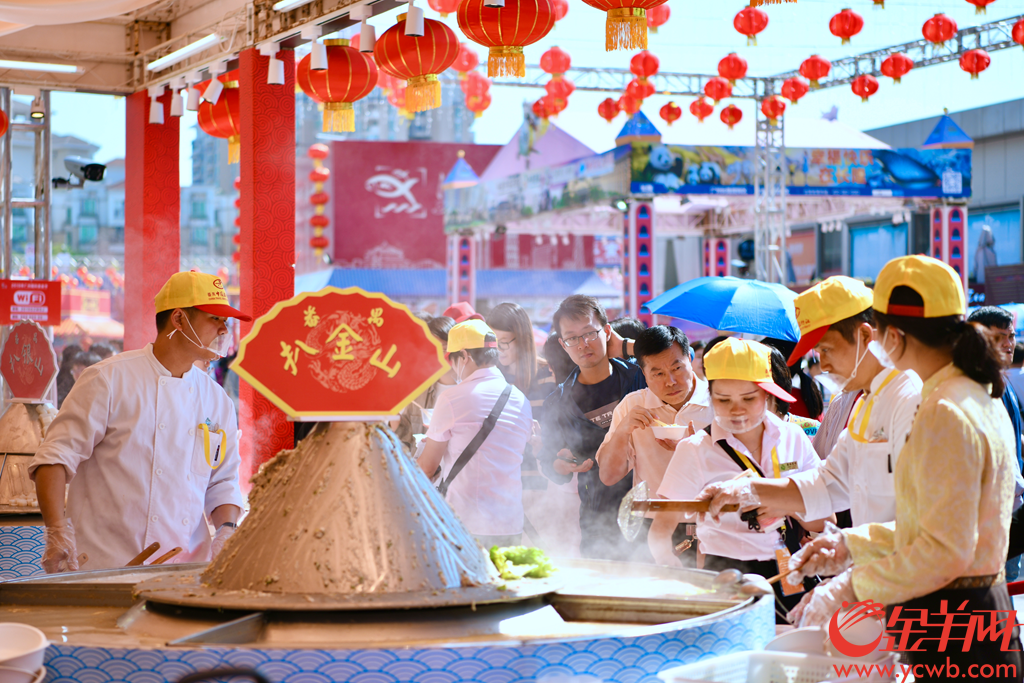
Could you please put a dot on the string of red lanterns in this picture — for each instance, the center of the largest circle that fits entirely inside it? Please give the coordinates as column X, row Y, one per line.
column 236, row 239
column 555, row 62
column 319, row 175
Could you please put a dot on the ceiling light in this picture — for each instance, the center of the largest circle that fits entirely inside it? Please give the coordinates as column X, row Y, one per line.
column 38, row 110
column 184, row 53
column 176, row 108
column 367, row 34
column 286, row 5
column 275, row 72
column 156, row 107
column 213, row 91
column 414, row 21
column 39, row 66
column 194, row 97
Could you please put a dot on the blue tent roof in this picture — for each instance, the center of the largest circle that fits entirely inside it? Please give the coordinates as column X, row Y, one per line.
column 461, row 175
column 948, row 135
column 638, row 128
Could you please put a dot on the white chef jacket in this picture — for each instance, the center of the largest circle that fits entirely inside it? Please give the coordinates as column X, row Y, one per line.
column 859, row 472
column 128, row 438
column 698, row 461
column 487, row 494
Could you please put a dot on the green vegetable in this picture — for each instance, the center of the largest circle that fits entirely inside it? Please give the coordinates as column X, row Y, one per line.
column 517, row 562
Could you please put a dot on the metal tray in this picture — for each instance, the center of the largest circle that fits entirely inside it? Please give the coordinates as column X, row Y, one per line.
column 98, row 588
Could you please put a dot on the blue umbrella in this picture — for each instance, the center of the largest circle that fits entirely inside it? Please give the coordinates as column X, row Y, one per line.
column 732, row 304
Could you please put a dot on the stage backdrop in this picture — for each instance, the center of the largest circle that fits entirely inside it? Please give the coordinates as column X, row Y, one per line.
column 389, row 205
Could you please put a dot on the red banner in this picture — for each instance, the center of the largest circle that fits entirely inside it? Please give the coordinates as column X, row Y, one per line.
column 28, row 363
column 340, row 352
column 35, row 300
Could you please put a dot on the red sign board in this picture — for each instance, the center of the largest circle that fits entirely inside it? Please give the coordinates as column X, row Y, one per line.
column 28, row 363
column 35, row 300
column 340, row 352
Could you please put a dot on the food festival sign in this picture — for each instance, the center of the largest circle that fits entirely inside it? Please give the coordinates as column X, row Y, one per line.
column 340, row 352
column 28, row 363
column 35, row 300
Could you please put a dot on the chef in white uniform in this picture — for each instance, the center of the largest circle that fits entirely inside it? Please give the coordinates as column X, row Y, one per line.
column 148, row 443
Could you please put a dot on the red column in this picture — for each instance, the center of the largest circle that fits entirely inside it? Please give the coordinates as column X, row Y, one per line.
column 152, row 214
column 266, row 269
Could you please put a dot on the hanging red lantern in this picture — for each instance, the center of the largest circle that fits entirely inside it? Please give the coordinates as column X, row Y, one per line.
column 732, row 67
column 629, row 104
column 974, row 62
column 608, row 109
column 731, row 115
column 418, row 60
column 561, row 8
column 560, row 88
column 350, row 76
column 319, row 221
column 222, row 120
column 540, row 109
column 505, row 30
column 640, row 89
column 939, row 29
column 625, row 25
column 896, row 66
column 750, row 21
column 670, row 113
column 644, row 64
column 555, row 61
column 554, row 106
column 865, row 86
column 466, row 61
column 701, row 108
column 846, row 25
column 444, row 7
column 1018, row 32
column 318, row 151
column 478, row 104
column 815, row 68
column 794, row 88
column 773, row 108
column 319, row 243
column 476, row 84
column 319, row 175
column 980, row 5
column 717, row 89
column 658, row 16
column 4, row 122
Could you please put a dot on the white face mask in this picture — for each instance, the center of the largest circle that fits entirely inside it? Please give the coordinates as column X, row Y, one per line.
column 881, row 353
column 458, row 371
column 219, row 346
column 836, row 384
column 740, row 424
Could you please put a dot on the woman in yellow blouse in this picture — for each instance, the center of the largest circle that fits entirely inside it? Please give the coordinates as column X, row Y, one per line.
column 954, row 490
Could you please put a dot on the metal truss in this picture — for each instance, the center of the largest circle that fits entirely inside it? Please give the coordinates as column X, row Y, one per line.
column 590, row 79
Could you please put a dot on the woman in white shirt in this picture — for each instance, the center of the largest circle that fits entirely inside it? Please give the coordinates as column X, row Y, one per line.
column 740, row 378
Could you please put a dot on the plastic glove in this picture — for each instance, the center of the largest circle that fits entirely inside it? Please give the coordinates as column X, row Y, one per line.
column 733, row 492
column 60, row 555
column 827, row 555
column 219, row 539
column 818, row 606
column 755, row 584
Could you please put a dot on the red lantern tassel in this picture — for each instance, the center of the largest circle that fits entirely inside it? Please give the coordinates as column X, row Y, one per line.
column 506, row 60
column 625, row 29
column 234, row 149
column 339, row 117
column 423, row 93
column 758, row 3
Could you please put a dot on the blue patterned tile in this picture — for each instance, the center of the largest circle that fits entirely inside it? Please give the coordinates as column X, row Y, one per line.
column 21, row 552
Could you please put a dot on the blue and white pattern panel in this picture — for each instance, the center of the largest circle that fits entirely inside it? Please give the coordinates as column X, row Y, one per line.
column 21, row 552
column 583, row 660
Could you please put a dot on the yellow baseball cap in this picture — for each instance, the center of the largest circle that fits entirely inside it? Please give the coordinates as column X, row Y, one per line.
column 825, row 304
column 937, row 283
column 745, row 360
column 197, row 290
column 471, row 334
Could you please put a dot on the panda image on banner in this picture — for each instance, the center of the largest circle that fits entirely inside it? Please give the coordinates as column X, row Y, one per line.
column 665, row 168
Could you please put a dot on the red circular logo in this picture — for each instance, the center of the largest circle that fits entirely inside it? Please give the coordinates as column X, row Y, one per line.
column 218, row 284
column 858, row 612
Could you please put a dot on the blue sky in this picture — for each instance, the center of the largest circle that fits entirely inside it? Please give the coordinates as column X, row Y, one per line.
column 695, row 38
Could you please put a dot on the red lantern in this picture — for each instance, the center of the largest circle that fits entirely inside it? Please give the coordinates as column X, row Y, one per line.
column 505, row 30
column 466, row 61
column 222, row 120
column 561, row 9
column 750, row 21
column 896, row 66
column 640, row 89
column 717, row 89
column 350, row 75
column 794, row 88
column 629, row 104
column 4, row 122
column 1018, row 32
column 773, row 108
column 865, row 86
column 560, row 88
column 555, row 61
column 658, row 16
column 478, row 104
column 540, row 109
column 846, row 25
column 237, row 256
column 554, row 106
column 418, row 61
column 321, row 174
column 670, row 113
column 980, row 5
column 974, row 62
column 731, row 115
column 476, row 84
column 318, row 151
column 319, row 221
column 444, row 7
column 732, row 67
column 608, row 109
column 644, row 64
column 319, row 198
column 319, row 243
column 701, row 108
column 625, row 25
column 237, row 239
column 939, row 29
column 814, row 68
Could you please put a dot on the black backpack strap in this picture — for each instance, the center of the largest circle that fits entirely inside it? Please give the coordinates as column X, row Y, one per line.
column 478, row 440
column 736, row 457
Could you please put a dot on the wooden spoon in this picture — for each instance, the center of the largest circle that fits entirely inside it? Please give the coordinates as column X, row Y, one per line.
column 143, row 556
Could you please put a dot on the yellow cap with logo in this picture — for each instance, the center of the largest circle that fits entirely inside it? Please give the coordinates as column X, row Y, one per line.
column 825, row 304
column 745, row 360
column 193, row 289
column 471, row 334
column 938, row 285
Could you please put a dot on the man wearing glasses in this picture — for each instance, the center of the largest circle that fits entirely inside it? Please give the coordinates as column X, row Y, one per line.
column 576, row 419
column 1000, row 327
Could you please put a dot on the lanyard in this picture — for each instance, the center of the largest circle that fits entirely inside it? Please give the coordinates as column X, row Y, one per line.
column 217, row 460
column 866, row 406
column 776, row 468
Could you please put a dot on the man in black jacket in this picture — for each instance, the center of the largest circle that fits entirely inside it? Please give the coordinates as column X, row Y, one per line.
column 576, row 418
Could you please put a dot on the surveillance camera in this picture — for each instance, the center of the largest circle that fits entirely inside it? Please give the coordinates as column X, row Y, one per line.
column 85, row 169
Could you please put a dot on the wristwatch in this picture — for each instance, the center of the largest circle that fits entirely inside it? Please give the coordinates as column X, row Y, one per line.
column 227, row 524
column 626, row 355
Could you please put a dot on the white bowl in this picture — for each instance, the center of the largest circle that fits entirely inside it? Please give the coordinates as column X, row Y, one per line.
column 672, row 432
column 810, row 641
column 22, row 647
